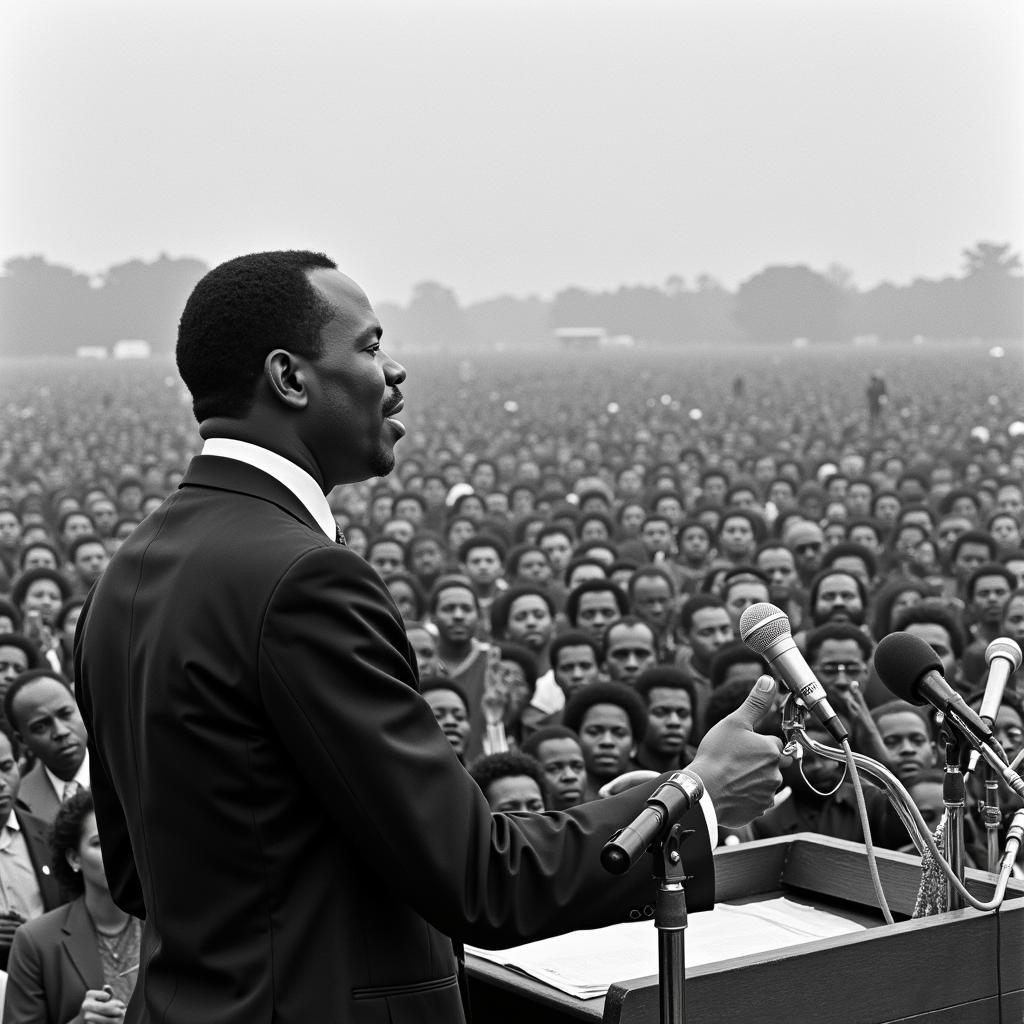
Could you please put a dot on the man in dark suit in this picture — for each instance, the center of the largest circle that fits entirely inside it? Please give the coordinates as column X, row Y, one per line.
column 273, row 794
column 28, row 886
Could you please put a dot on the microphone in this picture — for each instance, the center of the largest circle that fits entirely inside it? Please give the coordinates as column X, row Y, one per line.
column 1003, row 657
column 766, row 630
column 665, row 806
column 910, row 669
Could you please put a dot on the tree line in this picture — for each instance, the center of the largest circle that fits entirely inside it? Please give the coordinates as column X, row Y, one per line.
column 50, row 309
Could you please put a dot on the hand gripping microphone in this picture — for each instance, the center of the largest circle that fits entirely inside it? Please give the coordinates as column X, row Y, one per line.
column 1003, row 658
column 765, row 629
column 911, row 670
column 665, row 806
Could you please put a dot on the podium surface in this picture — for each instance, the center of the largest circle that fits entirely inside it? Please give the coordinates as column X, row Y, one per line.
column 962, row 967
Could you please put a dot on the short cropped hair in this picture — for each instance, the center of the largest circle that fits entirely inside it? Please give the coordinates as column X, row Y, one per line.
column 619, row 694
column 572, row 638
column 503, row 605
column 30, row 576
column 237, row 314
column 491, row 767
column 666, row 676
column 932, row 610
column 838, row 631
column 446, row 583
column 20, row 681
column 533, row 744
column 599, row 586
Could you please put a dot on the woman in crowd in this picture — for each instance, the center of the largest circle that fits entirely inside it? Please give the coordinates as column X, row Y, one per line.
column 80, row 961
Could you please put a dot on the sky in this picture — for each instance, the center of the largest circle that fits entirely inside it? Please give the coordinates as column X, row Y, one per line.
column 515, row 147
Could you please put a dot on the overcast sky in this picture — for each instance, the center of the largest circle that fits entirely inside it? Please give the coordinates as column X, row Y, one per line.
column 515, row 146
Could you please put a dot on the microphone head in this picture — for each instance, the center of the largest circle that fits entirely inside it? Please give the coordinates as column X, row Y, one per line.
column 901, row 659
column 761, row 625
column 1003, row 647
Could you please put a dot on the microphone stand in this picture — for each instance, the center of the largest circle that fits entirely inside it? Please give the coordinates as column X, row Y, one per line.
column 992, row 818
column 670, row 920
column 954, row 796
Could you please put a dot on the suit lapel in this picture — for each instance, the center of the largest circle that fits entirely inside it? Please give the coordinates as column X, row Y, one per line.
column 219, row 473
column 79, row 943
column 38, row 794
column 36, row 833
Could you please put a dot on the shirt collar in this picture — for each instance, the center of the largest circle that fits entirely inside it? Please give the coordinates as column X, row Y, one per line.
column 81, row 777
column 286, row 472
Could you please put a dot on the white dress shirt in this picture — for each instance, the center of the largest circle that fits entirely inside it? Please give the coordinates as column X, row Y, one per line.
column 286, row 472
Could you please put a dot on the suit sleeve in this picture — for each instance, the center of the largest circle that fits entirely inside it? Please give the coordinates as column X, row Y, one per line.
column 25, row 999
column 337, row 681
column 118, row 859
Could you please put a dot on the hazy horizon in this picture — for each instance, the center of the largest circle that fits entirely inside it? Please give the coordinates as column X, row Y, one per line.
column 517, row 148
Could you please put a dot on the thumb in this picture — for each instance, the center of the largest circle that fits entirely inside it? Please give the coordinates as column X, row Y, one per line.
column 759, row 701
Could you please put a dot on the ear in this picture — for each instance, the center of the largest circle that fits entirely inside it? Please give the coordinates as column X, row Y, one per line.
column 286, row 376
column 71, row 856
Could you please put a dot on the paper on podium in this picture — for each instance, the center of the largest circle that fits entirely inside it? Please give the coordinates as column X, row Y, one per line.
column 585, row 963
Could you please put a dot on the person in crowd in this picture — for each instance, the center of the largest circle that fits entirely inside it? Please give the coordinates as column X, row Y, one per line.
column 481, row 560
column 742, row 587
column 423, row 640
column 28, row 885
column 807, row 542
column 17, row 655
column 41, row 591
column 739, row 532
column 628, row 647
column 510, row 781
column 652, row 597
column 891, row 599
column 450, row 706
column 387, row 556
column 776, row 561
column 79, row 961
column 558, row 752
column 840, row 654
column 705, row 625
column 408, row 595
column 426, row 558
column 41, row 709
column 592, row 605
column 935, row 623
column 575, row 661
column 609, row 719
column 453, row 610
column 986, row 592
column 670, row 700
column 525, row 615
column 907, row 738
column 695, row 545
column 837, row 595
column 557, row 544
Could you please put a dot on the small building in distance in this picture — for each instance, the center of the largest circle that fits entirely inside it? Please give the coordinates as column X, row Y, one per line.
column 132, row 348
column 589, row 338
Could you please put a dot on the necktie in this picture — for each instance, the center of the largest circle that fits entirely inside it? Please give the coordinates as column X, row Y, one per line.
column 339, row 537
column 70, row 789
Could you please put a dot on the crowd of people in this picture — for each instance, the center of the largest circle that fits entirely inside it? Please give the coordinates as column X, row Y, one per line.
column 572, row 588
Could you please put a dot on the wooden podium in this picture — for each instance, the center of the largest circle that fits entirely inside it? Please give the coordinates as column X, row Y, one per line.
column 962, row 967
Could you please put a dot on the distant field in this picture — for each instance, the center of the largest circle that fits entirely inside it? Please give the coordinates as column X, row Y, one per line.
column 939, row 382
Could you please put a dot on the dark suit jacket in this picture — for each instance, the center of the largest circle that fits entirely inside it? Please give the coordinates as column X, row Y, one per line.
column 275, row 797
column 36, row 792
column 37, row 839
column 54, row 961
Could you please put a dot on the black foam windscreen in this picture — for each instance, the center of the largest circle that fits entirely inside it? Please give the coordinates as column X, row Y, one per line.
column 901, row 659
